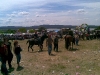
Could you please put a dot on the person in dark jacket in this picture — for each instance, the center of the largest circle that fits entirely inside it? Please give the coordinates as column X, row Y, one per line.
column 3, row 57
column 17, row 50
column 36, row 35
column 10, row 55
column 56, row 43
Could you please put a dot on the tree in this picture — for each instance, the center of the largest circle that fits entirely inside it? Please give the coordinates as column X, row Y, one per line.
column 1, row 31
column 31, row 31
column 41, row 29
column 10, row 31
column 22, row 30
column 98, row 28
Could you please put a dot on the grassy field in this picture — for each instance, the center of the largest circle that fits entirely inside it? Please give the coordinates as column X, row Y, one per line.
column 84, row 61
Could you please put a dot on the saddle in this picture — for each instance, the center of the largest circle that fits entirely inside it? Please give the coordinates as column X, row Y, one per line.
column 35, row 39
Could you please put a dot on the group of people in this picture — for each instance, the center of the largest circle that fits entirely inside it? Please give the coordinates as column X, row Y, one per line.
column 6, row 55
column 50, row 42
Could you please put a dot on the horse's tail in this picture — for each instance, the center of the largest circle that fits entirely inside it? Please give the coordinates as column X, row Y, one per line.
column 27, row 41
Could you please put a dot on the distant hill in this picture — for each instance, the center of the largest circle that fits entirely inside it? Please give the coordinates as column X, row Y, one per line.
column 45, row 26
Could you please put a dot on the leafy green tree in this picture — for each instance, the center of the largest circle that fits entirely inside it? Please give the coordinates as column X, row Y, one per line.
column 10, row 31
column 1, row 31
column 31, row 31
column 98, row 28
column 41, row 29
column 22, row 30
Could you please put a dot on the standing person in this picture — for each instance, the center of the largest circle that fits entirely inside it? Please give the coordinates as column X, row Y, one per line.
column 17, row 50
column 10, row 55
column 56, row 43
column 49, row 42
column 76, row 39
column 3, row 57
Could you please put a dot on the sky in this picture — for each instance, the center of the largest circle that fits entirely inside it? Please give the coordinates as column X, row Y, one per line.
column 55, row 12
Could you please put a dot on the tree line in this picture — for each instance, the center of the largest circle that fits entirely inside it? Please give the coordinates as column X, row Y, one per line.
column 22, row 30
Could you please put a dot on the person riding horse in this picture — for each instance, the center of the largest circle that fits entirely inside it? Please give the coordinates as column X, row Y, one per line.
column 36, row 37
column 37, row 41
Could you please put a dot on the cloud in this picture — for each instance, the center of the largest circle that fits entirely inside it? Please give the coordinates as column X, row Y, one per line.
column 11, row 15
column 18, row 14
column 8, row 21
column 94, row 5
column 1, row 20
column 35, row 12
column 97, row 19
column 38, row 16
column 81, row 11
column 23, row 13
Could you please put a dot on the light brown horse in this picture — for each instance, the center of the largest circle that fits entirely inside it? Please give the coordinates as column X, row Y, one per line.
column 69, row 41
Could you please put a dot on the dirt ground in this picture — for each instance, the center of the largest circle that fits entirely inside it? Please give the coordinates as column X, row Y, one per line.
column 84, row 60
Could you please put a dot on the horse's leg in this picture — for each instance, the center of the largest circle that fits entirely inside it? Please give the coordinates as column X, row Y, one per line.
column 31, row 47
column 72, row 45
column 28, row 48
column 40, row 46
column 69, row 45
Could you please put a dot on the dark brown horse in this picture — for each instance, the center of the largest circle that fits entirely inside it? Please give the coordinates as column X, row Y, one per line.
column 69, row 41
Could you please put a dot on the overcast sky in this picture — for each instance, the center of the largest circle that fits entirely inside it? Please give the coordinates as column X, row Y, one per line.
column 39, row 12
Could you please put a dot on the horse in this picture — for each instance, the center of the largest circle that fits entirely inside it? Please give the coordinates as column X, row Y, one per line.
column 38, row 42
column 69, row 41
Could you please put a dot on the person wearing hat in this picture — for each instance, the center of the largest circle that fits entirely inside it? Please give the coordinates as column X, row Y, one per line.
column 3, row 56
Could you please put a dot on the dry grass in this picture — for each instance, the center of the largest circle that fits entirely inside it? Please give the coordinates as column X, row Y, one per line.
column 84, row 61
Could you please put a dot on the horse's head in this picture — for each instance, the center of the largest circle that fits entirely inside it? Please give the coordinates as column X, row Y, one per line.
column 43, row 37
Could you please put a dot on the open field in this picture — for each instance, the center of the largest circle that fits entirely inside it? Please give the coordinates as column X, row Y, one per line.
column 84, row 61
